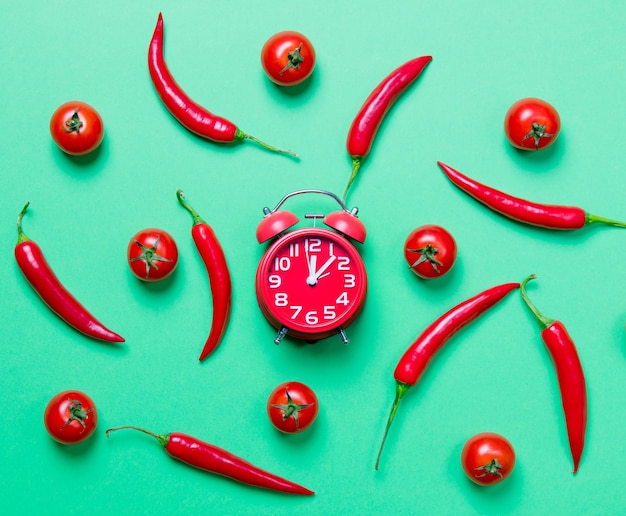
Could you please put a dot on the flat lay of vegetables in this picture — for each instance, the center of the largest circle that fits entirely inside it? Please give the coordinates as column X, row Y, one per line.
column 550, row 216
column 311, row 279
column 41, row 277
column 367, row 121
column 77, row 128
column 214, row 260
column 532, row 124
column 487, row 458
column 191, row 115
column 208, row 457
column 569, row 372
column 288, row 58
column 418, row 355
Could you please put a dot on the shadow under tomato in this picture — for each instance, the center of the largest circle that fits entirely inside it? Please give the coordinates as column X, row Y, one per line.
column 297, row 89
column 84, row 160
column 76, row 450
column 156, row 286
column 549, row 155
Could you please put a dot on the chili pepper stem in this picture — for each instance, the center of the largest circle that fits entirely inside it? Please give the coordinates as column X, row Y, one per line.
column 356, row 165
column 21, row 237
column 162, row 438
column 197, row 219
column 543, row 320
column 401, row 390
column 241, row 135
column 596, row 219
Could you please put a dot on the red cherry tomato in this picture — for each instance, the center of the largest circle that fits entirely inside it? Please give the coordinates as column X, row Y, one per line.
column 532, row 124
column 430, row 251
column 70, row 417
column 76, row 128
column 152, row 254
column 487, row 458
column 288, row 58
column 292, row 407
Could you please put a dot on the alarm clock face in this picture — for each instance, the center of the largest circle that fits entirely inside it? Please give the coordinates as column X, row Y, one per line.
column 311, row 281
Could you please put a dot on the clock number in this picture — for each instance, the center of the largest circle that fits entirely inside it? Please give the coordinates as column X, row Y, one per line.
column 274, row 280
column 329, row 312
column 343, row 299
column 282, row 263
column 296, row 310
column 314, row 245
column 343, row 263
column 280, row 299
column 294, row 250
column 349, row 280
column 311, row 317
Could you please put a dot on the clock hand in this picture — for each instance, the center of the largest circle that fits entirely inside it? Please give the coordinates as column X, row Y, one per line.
column 310, row 261
column 312, row 279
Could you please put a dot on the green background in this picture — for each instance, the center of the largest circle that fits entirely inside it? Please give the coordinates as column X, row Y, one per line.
column 494, row 376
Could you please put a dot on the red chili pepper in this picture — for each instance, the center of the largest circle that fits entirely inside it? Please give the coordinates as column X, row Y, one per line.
column 190, row 114
column 569, row 372
column 549, row 216
column 219, row 276
column 210, row 458
column 38, row 273
column 367, row 121
column 417, row 357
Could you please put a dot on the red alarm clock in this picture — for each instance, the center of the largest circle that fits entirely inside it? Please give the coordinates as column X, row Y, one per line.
column 311, row 282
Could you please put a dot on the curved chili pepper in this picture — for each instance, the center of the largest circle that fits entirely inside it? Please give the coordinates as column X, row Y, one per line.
column 219, row 276
column 570, row 375
column 210, row 458
column 416, row 358
column 367, row 121
column 191, row 115
column 549, row 216
column 38, row 273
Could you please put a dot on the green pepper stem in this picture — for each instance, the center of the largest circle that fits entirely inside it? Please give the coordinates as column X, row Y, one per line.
column 240, row 135
column 596, row 219
column 21, row 236
column 197, row 219
column 162, row 438
column 401, row 390
column 356, row 165
column 543, row 320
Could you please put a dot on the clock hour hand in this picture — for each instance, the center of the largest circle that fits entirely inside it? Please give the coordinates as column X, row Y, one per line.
column 312, row 279
column 312, row 264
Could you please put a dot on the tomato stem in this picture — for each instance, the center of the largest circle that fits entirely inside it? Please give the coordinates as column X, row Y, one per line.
column 21, row 237
column 74, row 124
column 78, row 413
column 401, row 390
column 162, row 438
column 543, row 320
column 294, row 59
column 197, row 219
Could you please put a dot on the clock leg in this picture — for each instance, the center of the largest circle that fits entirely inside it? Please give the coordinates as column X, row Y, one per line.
column 343, row 335
column 281, row 335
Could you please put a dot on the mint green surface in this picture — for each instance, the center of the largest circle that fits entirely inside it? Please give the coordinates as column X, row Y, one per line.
column 494, row 376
